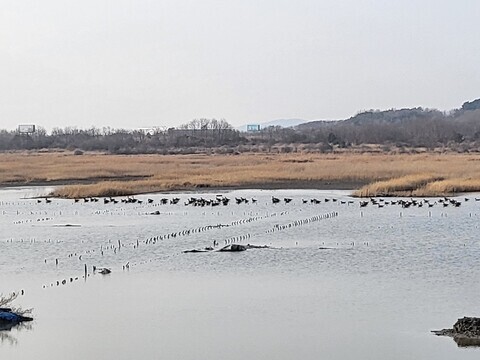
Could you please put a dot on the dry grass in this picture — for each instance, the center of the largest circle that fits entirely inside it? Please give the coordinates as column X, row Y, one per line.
column 419, row 185
column 405, row 185
column 449, row 187
column 416, row 174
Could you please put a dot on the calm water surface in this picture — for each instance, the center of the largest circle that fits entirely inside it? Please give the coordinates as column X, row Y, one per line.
column 338, row 281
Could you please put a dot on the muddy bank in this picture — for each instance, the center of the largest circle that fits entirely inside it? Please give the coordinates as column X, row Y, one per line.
column 66, row 182
column 274, row 185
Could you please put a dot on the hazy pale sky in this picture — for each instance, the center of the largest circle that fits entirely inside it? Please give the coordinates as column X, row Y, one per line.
column 144, row 63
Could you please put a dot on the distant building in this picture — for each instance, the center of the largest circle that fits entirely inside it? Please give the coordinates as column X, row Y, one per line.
column 253, row 128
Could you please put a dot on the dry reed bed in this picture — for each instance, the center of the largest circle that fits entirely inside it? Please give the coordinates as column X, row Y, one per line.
column 419, row 175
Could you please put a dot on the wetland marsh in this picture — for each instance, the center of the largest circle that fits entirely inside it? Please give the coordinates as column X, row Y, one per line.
column 337, row 281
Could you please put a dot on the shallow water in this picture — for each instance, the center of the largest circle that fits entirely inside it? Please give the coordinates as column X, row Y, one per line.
column 338, row 281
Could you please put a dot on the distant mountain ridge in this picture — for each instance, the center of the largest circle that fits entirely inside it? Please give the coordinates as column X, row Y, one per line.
column 284, row 123
column 399, row 116
column 379, row 117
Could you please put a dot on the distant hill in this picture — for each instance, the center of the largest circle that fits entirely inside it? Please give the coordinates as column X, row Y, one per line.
column 394, row 116
column 377, row 117
column 284, row 123
column 468, row 110
column 316, row 124
column 471, row 105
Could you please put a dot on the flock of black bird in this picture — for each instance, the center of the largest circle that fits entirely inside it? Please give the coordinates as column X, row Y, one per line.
column 219, row 199
column 406, row 203
column 214, row 201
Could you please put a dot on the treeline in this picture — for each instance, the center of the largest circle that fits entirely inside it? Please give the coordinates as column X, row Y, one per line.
column 407, row 127
column 457, row 130
column 206, row 133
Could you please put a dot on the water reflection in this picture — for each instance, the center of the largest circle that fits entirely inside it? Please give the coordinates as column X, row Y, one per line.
column 6, row 335
column 467, row 342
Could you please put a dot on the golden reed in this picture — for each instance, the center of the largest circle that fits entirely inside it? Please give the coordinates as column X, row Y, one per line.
column 110, row 175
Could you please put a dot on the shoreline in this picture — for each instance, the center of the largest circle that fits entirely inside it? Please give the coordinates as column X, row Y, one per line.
column 278, row 185
column 352, row 186
column 67, row 182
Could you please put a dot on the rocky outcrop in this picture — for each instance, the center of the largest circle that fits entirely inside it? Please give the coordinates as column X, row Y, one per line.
column 468, row 326
column 234, row 248
column 197, row 250
column 228, row 248
column 465, row 332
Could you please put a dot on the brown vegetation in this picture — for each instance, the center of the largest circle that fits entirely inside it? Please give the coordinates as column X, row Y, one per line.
column 110, row 175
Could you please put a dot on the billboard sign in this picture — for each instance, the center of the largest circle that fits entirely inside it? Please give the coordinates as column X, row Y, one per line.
column 26, row 129
column 253, row 127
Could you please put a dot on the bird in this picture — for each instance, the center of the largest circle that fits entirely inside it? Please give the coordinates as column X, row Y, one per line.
column 104, row 271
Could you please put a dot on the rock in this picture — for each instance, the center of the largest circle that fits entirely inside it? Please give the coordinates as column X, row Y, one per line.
column 249, row 246
column 234, row 248
column 465, row 332
column 208, row 249
column 469, row 326
column 228, row 248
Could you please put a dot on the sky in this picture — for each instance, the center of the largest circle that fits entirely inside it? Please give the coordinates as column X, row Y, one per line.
column 143, row 63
